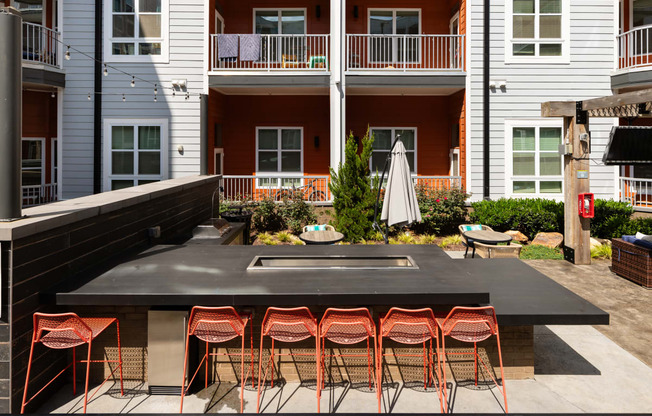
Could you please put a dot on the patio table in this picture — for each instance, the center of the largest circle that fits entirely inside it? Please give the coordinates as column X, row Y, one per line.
column 321, row 237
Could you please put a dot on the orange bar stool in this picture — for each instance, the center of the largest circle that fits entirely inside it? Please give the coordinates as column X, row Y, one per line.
column 215, row 325
column 472, row 324
column 67, row 330
column 347, row 326
column 287, row 325
column 410, row 326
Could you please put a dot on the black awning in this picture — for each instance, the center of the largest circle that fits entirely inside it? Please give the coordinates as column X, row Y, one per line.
column 629, row 145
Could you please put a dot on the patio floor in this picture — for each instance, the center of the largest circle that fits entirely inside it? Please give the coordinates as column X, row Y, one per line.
column 577, row 369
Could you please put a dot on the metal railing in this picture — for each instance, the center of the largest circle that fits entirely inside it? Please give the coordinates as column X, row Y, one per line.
column 39, row 194
column 438, row 182
column 635, row 48
column 259, row 187
column 404, row 52
column 41, row 45
column 636, row 191
column 271, row 53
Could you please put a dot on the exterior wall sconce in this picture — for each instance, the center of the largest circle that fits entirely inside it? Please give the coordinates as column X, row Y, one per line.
column 355, row 12
column 316, row 141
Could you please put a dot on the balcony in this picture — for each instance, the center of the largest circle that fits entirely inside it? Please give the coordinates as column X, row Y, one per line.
column 637, row 192
column 423, row 64
column 39, row 194
column 634, row 64
column 41, row 45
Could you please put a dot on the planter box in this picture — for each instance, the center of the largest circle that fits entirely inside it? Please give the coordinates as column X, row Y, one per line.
column 632, row 262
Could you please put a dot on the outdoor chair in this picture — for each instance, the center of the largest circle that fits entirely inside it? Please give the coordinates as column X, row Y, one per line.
column 471, row 325
column 67, row 330
column 315, row 227
column 347, row 327
column 468, row 242
column 410, row 326
column 493, row 251
column 290, row 61
column 217, row 325
column 287, row 325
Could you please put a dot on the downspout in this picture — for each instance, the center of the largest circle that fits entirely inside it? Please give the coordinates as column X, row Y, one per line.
column 486, row 190
column 97, row 108
column 203, row 135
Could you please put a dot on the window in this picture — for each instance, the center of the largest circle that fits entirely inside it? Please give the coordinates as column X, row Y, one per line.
column 641, row 15
column 277, row 23
column 135, row 152
column 33, row 162
column 279, row 151
column 32, row 11
column 136, row 30
column 384, row 138
column 537, row 29
column 534, row 165
column 392, row 48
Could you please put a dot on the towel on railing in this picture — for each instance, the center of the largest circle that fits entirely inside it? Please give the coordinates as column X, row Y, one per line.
column 250, row 47
column 227, row 46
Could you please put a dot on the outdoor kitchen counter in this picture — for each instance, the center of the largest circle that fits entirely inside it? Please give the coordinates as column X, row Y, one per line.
column 187, row 275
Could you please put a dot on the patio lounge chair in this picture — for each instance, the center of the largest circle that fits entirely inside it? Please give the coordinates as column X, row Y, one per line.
column 467, row 241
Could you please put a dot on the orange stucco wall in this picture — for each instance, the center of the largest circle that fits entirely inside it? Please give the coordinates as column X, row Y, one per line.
column 40, row 121
column 432, row 116
column 239, row 116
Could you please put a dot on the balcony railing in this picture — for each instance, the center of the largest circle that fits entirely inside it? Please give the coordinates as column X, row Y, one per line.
column 314, row 188
column 403, row 53
column 635, row 48
column 271, row 53
column 636, row 191
column 39, row 194
column 41, row 45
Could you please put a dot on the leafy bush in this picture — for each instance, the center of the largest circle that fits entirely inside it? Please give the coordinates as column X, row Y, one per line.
column 267, row 217
column 638, row 225
column 454, row 239
column 537, row 252
column 441, row 210
column 603, row 251
column 296, row 212
column 354, row 193
column 529, row 216
column 610, row 217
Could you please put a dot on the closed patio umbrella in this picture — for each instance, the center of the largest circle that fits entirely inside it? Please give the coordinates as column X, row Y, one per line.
column 400, row 205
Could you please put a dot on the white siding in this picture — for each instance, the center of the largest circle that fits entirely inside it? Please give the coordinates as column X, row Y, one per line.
column 592, row 37
column 187, row 38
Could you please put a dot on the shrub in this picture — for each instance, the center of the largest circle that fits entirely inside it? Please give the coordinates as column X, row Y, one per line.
column 610, row 216
column 603, row 251
column 284, row 236
column 454, row 239
column 353, row 191
column 537, row 252
column 529, row 216
column 267, row 217
column 296, row 212
column 441, row 210
column 427, row 239
column 405, row 238
column 638, row 225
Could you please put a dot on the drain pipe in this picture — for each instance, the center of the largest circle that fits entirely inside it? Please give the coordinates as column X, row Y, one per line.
column 11, row 106
column 97, row 102
column 203, row 135
column 486, row 191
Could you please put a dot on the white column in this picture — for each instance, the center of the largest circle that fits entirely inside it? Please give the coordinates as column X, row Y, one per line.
column 337, row 96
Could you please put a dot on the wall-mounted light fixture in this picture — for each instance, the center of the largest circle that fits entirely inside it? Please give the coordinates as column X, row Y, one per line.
column 316, row 141
column 318, row 11
column 355, row 12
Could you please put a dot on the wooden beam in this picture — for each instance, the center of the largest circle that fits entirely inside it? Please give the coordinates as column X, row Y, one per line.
column 610, row 101
column 558, row 109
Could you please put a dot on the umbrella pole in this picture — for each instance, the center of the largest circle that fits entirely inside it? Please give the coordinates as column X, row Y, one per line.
column 375, row 225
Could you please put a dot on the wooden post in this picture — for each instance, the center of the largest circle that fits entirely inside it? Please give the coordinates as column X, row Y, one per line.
column 577, row 231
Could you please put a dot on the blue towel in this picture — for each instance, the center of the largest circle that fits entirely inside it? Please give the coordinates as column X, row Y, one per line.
column 629, row 238
column 643, row 243
column 250, row 47
column 227, row 46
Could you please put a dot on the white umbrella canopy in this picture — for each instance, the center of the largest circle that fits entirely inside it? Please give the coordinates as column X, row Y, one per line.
column 400, row 205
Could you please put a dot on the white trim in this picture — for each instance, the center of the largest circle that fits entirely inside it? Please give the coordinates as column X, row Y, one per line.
column 218, row 17
column 468, row 105
column 59, row 178
column 509, row 168
column 165, row 157
column 279, row 11
column 35, row 139
column 394, row 57
column 279, row 152
column 53, row 158
column 164, row 40
column 536, row 59
column 456, row 17
column 454, row 152
column 218, row 151
column 393, row 135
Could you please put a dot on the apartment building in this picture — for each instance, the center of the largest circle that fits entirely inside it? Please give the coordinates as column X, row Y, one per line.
column 286, row 82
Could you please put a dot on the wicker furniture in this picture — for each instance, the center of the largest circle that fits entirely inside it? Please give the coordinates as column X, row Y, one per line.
column 469, row 242
column 632, row 262
column 492, row 251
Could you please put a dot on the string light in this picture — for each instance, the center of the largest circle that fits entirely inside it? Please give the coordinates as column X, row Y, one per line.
column 187, row 96
column 52, row 94
column 155, row 90
column 155, row 98
column 106, row 71
column 89, row 96
column 123, row 98
column 68, row 54
column 133, row 81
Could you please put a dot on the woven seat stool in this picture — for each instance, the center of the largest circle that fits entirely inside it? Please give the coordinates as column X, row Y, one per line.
column 67, row 330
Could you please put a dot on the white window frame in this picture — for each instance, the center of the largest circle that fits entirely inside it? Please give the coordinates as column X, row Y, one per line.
column 394, row 44
column 44, row 10
column 219, row 18
column 54, row 158
column 454, row 152
column 280, row 11
column 536, row 59
column 165, row 134
column 278, row 172
column 509, row 165
column 36, row 139
column 393, row 130
column 164, row 40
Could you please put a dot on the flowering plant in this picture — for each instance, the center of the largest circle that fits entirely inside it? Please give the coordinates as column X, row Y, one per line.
column 442, row 210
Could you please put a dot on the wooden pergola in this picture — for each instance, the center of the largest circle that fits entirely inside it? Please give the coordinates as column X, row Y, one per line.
column 577, row 139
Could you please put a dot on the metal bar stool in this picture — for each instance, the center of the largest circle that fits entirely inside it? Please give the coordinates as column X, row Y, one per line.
column 67, row 330
column 347, row 327
column 214, row 325
column 410, row 326
column 472, row 324
column 287, row 325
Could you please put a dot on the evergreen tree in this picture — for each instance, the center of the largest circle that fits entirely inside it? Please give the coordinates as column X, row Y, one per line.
column 354, row 192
